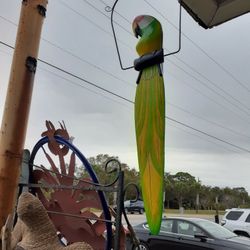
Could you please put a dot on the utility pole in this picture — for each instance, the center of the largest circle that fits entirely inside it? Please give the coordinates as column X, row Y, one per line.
column 197, row 203
column 216, row 217
column 17, row 103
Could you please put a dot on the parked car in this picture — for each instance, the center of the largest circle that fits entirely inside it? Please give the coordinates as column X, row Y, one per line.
column 189, row 234
column 237, row 220
column 131, row 206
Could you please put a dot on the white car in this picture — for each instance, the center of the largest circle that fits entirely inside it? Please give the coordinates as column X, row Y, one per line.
column 237, row 220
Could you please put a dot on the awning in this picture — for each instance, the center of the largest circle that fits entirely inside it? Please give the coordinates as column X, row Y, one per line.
column 209, row 13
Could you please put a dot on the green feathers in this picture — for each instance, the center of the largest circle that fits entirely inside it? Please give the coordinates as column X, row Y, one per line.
column 150, row 122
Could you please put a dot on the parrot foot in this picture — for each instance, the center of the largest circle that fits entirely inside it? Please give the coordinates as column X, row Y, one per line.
column 148, row 60
column 139, row 77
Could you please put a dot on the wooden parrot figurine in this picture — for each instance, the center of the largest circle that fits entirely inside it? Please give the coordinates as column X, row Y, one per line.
column 150, row 116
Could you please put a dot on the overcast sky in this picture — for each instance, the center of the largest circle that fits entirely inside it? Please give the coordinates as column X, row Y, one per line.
column 207, row 85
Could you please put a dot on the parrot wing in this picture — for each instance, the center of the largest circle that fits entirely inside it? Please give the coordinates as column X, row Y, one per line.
column 150, row 131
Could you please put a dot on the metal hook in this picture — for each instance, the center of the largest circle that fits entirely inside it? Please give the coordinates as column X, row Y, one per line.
column 116, row 43
column 114, row 34
column 108, row 9
column 179, row 48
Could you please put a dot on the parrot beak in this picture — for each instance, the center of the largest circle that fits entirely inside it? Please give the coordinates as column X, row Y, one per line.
column 137, row 31
column 136, row 27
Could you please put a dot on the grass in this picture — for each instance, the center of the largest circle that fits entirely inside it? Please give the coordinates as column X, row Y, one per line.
column 193, row 212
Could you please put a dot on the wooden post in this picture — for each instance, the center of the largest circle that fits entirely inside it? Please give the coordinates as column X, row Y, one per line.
column 17, row 103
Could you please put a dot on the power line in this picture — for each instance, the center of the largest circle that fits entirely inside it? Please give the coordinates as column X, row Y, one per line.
column 97, row 93
column 119, row 25
column 76, row 56
column 81, row 86
column 106, row 97
column 87, row 62
column 213, row 83
column 75, row 76
column 7, row 20
column 127, row 100
column 202, row 50
column 202, row 138
column 7, row 45
column 188, row 112
column 209, row 121
column 218, row 64
column 70, row 53
column 209, row 135
column 230, row 96
column 222, row 90
column 84, row 80
column 110, row 74
column 209, row 98
column 90, row 21
column 207, row 86
column 110, row 8
column 235, row 132
column 171, row 104
column 74, row 83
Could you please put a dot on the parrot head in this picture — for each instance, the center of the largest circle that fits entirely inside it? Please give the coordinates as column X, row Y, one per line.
column 149, row 30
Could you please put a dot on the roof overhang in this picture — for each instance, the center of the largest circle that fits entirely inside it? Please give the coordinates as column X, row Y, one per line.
column 210, row 13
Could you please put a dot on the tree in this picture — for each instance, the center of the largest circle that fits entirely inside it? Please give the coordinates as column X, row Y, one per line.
column 169, row 189
column 181, row 189
column 104, row 177
column 242, row 195
column 184, row 186
column 205, row 197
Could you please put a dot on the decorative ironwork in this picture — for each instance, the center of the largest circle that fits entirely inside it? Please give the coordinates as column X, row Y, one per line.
column 135, row 241
column 72, row 202
column 68, row 198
